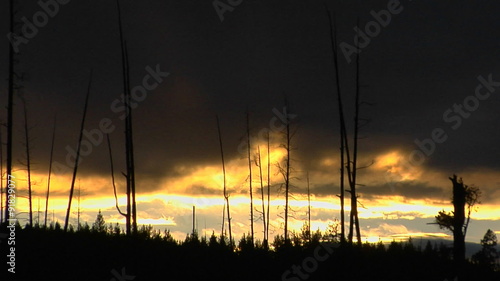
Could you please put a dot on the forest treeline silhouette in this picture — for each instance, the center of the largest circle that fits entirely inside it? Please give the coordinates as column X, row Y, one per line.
column 92, row 252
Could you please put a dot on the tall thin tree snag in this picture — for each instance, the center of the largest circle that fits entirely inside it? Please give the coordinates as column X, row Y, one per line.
column 112, row 170
column 1, row 174
column 226, row 195
column 263, row 199
column 10, row 102
column 308, row 209
column 77, row 158
column 131, row 161
column 268, row 186
column 354, row 197
column 28, row 160
column 459, row 196
column 223, row 220
column 285, row 170
column 343, row 137
column 351, row 166
column 131, row 222
column 50, row 172
column 455, row 221
column 249, row 150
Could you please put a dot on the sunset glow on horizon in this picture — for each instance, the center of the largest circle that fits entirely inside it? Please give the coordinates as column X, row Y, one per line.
column 169, row 206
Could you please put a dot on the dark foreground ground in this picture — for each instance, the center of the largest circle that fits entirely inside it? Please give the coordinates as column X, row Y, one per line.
column 51, row 254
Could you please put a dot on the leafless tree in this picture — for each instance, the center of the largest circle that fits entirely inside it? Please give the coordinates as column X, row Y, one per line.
column 126, row 215
column 1, row 174
column 50, row 171
column 27, row 164
column 351, row 166
column 285, row 169
column 226, row 195
column 308, row 209
column 354, row 196
column 10, row 102
column 129, row 142
column 258, row 163
column 77, row 158
column 249, row 148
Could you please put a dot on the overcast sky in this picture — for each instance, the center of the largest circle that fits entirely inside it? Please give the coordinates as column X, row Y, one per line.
column 420, row 73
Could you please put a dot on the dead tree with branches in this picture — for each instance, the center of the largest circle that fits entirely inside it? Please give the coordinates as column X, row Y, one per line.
column 249, row 150
column 226, row 194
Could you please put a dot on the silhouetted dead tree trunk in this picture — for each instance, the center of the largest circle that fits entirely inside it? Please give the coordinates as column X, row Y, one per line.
column 344, row 146
column 459, row 196
column 50, row 172
column 354, row 196
column 129, row 144
column 286, row 170
column 113, row 178
column 249, row 148
column 10, row 103
column 226, row 195
column 77, row 158
column 263, row 199
column 28, row 160
column 268, row 186
column 1, row 174
column 130, row 154
column 455, row 221
column 351, row 166
column 308, row 210
column 223, row 219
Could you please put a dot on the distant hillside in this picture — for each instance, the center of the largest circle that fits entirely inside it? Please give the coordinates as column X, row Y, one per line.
column 470, row 247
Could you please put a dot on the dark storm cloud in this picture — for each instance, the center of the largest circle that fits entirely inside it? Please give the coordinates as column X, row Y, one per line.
column 426, row 60
column 407, row 189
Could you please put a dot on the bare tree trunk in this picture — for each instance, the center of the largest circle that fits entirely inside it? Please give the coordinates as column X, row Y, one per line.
column 10, row 103
column 268, row 187
column 226, row 195
column 130, row 137
column 458, row 222
column 113, row 178
column 308, row 209
column 28, row 161
column 287, row 172
column 223, row 220
column 343, row 137
column 78, row 210
column 249, row 147
column 77, row 159
column 351, row 171
column 130, row 151
column 1, row 175
column 194, row 220
column 262, row 197
column 129, row 146
column 50, row 171
column 354, row 197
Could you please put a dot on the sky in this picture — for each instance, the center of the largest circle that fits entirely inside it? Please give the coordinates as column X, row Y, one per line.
column 428, row 88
